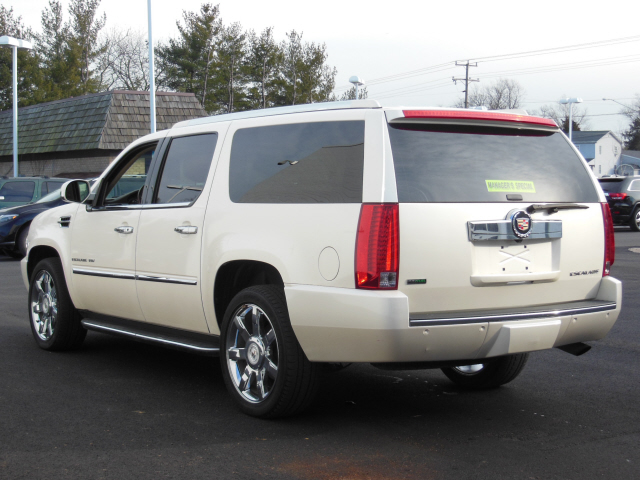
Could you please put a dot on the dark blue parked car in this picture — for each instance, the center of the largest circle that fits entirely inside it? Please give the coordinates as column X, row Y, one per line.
column 15, row 222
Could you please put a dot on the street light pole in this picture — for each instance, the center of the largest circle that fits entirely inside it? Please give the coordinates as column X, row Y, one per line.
column 15, row 43
column 570, row 101
column 357, row 82
column 152, row 81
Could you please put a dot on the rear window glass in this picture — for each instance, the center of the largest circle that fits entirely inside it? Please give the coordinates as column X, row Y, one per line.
column 611, row 186
column 17, row 191
column 465, row 164
column 318, row 162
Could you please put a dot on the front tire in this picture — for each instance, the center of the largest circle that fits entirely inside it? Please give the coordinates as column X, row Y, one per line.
column 21, row 241
column 55, row 322
column 264, row 367
column 488, row 375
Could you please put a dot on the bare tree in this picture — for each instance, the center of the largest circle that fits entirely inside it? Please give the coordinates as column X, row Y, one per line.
column 503, row 94
column 125, row 62
column 559, row 113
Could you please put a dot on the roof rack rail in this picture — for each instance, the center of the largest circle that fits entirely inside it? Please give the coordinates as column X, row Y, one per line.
column 267, row 112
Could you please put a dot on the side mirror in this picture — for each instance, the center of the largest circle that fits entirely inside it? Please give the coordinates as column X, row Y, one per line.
column 75, row 191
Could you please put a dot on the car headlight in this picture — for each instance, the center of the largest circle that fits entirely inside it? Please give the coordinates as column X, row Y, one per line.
column 7, row 218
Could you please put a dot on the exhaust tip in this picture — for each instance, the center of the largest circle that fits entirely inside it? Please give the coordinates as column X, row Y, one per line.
column 576, row 349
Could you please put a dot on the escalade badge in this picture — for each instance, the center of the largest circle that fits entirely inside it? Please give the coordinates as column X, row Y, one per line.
column 521, row 223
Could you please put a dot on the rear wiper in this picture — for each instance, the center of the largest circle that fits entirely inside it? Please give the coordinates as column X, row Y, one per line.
column 554, row 207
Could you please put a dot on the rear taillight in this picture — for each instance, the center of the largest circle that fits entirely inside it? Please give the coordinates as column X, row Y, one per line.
column 378, row 247
column 618, row 196
column 609, row 240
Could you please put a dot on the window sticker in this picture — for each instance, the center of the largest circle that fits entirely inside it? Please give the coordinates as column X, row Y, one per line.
column 510, row 186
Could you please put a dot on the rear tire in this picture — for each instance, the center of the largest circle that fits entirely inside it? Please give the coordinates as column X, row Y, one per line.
column 55, row 322
column 488, row 375
column 263, row 365
column 634, row 221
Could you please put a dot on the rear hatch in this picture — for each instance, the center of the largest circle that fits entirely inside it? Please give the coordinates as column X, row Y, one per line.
column 460, row 182
column 612, row 188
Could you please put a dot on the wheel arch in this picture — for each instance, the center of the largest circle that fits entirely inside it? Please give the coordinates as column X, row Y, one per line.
column 38, row 253
column 236, row 275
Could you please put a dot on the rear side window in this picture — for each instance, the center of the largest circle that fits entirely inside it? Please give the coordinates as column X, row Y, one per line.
column 186, row 168
column 634, row 186
column 48, row 187
column 17, row 191
column 465, row 164
column 318, row 162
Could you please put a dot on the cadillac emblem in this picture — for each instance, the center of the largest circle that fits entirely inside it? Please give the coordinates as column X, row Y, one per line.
column 521, row 223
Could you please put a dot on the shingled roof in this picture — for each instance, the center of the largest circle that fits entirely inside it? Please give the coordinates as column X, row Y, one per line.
column 105, row 121
column 590, row 136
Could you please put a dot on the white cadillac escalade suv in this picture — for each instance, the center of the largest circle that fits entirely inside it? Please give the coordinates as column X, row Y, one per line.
column 285, row 238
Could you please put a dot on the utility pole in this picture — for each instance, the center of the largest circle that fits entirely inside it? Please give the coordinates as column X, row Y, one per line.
column 466, row 79
column 152, row 81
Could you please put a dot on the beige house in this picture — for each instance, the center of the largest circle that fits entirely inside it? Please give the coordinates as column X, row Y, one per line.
column 601, row 150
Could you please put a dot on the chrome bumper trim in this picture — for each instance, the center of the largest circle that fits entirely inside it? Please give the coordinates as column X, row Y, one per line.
column 418, row 322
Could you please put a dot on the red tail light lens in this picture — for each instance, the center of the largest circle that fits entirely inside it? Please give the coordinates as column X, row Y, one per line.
column 378, row 247
column 618, row 196
column 609, row 240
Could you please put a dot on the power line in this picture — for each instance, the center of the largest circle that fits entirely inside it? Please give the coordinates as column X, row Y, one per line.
column 508, row 56
column 567, row 48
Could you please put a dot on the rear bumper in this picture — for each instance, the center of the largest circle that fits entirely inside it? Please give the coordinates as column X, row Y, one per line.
column 348, row 325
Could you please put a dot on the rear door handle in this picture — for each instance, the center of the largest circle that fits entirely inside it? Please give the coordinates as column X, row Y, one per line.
column 186, row 230
column 123, row 229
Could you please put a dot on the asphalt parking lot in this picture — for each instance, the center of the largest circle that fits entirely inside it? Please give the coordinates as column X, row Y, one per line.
column 120, row 409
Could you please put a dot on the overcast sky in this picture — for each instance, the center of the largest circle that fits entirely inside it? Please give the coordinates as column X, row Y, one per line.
column 377, row 39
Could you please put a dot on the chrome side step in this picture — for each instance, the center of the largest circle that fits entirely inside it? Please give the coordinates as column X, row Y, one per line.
column 173, row 338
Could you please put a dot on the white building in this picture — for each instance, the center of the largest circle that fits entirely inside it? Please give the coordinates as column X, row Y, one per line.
column 601, row 150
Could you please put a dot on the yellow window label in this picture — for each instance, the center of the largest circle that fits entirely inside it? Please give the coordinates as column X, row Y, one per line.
column 511, row 186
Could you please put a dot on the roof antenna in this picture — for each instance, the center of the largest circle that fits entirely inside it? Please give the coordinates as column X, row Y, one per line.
column 357, row 82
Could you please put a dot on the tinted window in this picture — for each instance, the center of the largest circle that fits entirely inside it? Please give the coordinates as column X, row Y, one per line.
column 634, row 186
column 611, row 186
column 131, row 177
column 453, row 164
column 298, row 163
column 17, row 191
column 186, row 168
column 48, row 187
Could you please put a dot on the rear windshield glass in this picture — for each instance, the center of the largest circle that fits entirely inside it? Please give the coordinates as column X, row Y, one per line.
column 611, row 186
column 464, row 164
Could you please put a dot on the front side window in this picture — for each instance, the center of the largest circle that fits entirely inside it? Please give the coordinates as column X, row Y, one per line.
column 186, row 168
column 318, row 162
column 17, row 191
column 126, row 187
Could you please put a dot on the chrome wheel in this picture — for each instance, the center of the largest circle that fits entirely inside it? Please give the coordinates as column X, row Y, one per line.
column 252, row 353
column 44, row 305
column 637, row 219
column 470, row 369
